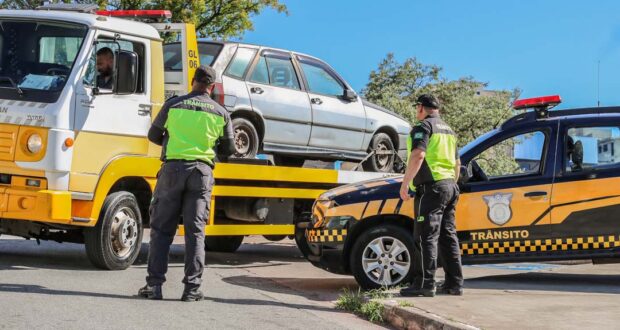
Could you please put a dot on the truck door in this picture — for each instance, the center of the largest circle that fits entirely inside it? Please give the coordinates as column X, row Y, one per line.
column 586, row 198
column 511, row 185
column 275, row 92
column 336, row 123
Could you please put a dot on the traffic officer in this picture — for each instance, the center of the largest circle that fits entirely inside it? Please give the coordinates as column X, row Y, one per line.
column 191, row 129
column 432, row 171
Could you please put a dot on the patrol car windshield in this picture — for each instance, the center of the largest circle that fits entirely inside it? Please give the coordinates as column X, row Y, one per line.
column 475, row 142
column 37, row 57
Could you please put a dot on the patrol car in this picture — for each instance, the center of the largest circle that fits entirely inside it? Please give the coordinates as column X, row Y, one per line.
column 543, row 186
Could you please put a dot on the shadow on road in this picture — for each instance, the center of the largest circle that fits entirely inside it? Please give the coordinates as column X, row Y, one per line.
column 25, row 288
column 558, row 282
column 317, row 289
column 257, row 302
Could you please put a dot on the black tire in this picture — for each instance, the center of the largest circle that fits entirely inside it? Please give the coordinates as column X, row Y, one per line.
column 246, row 138
column 380, row 163
column 227, row 244
column 361, row 249
column 114, row 243
column 281, row 160
column 300, row 236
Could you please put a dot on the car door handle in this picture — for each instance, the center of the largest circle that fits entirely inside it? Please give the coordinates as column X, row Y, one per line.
column 316, row 100
column 535, row 194
column 257, row 90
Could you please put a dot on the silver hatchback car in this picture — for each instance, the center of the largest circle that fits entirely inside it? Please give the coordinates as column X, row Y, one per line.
column 296, row 107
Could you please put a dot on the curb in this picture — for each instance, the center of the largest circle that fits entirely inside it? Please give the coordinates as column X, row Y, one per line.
column 412, row 318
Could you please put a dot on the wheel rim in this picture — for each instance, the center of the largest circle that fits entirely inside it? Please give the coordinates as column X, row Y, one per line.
column 243, row 142
column 124, row 233
column 386, row 261
column 383, row 161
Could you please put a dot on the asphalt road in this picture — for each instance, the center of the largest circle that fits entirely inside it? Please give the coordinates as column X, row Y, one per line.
column 264, row 285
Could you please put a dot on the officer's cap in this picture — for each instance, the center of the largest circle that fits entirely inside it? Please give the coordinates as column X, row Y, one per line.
column 428, row 101
column 205, row 75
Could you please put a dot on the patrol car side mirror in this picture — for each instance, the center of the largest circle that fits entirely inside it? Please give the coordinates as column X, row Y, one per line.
column 126, row 72
column 349, row 95
column 465, row 175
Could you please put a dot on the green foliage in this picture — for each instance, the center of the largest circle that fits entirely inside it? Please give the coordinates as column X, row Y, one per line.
column 217, row 19
column 372, row 311
column 466, row 107
column 404, row 303
column 350, row 301
column 362, row 303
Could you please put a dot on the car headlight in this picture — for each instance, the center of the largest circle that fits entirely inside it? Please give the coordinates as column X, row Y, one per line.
column 34, row 143
column 337, row 222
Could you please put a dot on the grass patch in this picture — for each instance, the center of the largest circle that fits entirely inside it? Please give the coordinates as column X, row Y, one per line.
column 363, row 303
column 403, row 303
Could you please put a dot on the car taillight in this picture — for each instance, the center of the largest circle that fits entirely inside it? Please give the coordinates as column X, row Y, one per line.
column 217, row 94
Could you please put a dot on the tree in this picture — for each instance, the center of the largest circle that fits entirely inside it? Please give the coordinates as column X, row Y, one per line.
column 466, row 107
column 218, row 19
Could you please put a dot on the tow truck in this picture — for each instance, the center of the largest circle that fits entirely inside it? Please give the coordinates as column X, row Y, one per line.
column 75, row 163
column 543, row 186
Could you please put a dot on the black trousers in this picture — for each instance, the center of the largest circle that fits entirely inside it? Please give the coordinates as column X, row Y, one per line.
column 183, row 188
column 435, row 225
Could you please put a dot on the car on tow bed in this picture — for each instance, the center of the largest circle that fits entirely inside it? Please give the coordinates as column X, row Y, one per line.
column 295, row 107
column 543, row 186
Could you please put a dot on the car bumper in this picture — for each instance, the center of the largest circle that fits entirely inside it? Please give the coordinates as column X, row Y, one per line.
column 35, row 205
column 327, row 249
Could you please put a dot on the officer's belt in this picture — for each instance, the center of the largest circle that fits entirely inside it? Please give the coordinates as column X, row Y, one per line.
column 189, row 161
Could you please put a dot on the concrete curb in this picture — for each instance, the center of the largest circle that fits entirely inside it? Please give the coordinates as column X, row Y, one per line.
column 412, row 318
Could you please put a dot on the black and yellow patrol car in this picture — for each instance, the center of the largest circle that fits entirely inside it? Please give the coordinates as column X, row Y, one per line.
column 543, row 186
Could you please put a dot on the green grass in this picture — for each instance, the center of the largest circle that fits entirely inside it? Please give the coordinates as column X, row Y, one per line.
column 363, row 303
column 403, row 303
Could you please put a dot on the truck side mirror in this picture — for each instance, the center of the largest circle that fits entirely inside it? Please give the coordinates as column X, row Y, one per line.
column 126, row 72
column 349, row 95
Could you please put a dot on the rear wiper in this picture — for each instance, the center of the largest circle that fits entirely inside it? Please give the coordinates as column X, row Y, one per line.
column 13, row 84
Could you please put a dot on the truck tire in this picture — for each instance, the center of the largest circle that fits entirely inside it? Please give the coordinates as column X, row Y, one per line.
column 227, row 244
column 380, row 163
column 114, row 243
column 382, row 257
column 246, row 138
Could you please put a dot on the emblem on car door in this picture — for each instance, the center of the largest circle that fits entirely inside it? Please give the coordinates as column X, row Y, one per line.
column 499, row 211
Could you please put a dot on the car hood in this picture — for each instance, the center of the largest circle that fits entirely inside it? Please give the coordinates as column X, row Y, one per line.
column 365, row 191
column 369, row 104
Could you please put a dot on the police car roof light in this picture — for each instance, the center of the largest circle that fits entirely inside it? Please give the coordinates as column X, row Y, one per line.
column 136, row 13
column 541, row 105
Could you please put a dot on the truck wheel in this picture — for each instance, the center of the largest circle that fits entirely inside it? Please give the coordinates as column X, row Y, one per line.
column 381, row 142
column 114, row 243
column 227, row 244
column 246, row 138
column 382, row 257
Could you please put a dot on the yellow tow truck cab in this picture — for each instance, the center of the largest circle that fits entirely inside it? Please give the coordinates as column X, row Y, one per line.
column 75, row 161
column 543, row 186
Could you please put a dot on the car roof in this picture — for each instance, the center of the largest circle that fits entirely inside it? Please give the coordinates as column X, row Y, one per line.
column 256, row 46
column 566, row 114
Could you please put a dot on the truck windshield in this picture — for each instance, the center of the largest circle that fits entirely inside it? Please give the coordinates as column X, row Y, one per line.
column 37, row 57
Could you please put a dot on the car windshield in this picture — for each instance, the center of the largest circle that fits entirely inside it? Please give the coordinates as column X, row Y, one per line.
column 36, row 56
column 475, row 142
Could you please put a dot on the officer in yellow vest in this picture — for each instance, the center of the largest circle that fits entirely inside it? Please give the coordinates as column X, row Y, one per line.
column 432, row 171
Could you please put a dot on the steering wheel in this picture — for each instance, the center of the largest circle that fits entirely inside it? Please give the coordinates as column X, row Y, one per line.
column 57, row 72
column 477, row 171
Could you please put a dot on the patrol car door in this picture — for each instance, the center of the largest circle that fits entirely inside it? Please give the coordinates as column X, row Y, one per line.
column 510, row 189
column 337, row 123
column 275, row 92
column 586, row 198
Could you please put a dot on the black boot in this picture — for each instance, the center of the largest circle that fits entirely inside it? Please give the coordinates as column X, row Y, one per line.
column 192, row 295
column 417, row 291
column 451, row 290
column 151, row 292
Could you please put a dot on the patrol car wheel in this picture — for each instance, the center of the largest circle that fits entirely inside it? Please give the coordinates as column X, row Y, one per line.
column 382, row 257
column 382, row 160
column 246, row 138
column 114, row 243
column 228, row 244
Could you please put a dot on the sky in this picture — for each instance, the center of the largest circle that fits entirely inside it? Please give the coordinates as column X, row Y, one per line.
column 541, row 47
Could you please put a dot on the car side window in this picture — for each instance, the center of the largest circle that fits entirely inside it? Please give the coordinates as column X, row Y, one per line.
column 239, row 64
column 518, row 155
column 320, row 80
column 589, row 148
column 275, row 71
